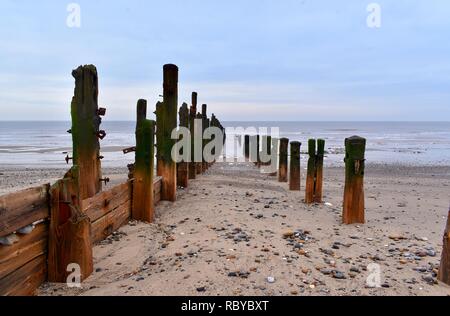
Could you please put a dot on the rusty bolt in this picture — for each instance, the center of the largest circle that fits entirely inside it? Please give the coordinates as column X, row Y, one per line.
column 68, row 159
column 101, row 112
column 105, row 180
column 101, row 134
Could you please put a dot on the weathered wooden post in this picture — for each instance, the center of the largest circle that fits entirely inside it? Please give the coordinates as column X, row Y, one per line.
column 355, row 148
column 86, row 131
column 192, row 116
column 70, row 243
column 183, row 167
column 166, row 122
column 444, row 270
column 199, row 164
column 258, row 151
column 283, row 167
column 318, row 187
column 294, row 175
column 143, row 208
column 247, row 147
column 205, row 126
column 311, row 172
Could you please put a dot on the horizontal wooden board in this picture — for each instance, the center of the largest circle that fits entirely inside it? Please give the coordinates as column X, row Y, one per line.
column 23, row 208
column 157, row 185
column 25, row 280
column 111, row 222
column 107, row 201
column 26, row 249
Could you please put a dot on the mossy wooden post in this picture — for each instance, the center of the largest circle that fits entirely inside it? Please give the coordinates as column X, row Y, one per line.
column 311, row 172
column 183, row 167
column 355, row 148
column 70, row 243
column 318, row 187
column 283, row 166
column 192, row 117
column 166, row 122
column 143, row 204
column 86, row 131
column 294, row 173
column 247, row 147
column 205, row 126
column 444, row 270
column 199, row 164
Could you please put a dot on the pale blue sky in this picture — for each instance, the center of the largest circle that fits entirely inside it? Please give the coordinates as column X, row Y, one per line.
column 248, row 59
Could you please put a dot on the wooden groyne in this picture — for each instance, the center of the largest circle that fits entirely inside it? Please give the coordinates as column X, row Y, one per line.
column 47, row 229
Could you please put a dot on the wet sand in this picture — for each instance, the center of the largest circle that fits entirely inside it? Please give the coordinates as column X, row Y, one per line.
column 235, row 231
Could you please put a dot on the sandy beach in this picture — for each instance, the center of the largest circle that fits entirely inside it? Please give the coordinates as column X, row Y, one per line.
column 236, row 231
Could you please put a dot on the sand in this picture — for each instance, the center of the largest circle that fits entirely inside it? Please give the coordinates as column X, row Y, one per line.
column 228, row 235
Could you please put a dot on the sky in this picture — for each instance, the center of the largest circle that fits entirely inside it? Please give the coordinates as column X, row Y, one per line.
column 249, row 60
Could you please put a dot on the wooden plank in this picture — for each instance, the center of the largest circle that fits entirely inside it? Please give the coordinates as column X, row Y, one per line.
column 157, row 185
column 28, row 248
column 105, row 202
column 111, row 222
column 23, row 208
column 25, row 280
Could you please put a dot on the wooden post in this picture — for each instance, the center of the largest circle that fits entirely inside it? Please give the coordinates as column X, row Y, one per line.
column 318, row 187
column 272, row 142
column 199, row 164
column 444, row 270
column 247, row 147
column 355, row 148
column 294, row 178
column 311, row 172
column 69, row 232
column 143, row 205
column 258, row 152
column 166, row 121
column 183, row 167
column 205, row 126
column 86, row 131
column 192, row 116
column 283, row 167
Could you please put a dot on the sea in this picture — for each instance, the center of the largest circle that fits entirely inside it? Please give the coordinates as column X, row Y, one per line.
column 46, row 144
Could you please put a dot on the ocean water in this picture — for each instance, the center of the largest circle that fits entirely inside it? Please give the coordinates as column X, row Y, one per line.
column 45, row 144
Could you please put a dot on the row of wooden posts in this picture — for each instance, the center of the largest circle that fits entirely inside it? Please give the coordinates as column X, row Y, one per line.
column 69, row 237
column 354, row 165
column 353, row 206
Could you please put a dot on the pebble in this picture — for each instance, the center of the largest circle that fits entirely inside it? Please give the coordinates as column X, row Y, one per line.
column 270, row 279
column 339, row 275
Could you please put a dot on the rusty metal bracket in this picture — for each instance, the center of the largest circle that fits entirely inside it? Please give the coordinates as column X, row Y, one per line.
column 129, row 150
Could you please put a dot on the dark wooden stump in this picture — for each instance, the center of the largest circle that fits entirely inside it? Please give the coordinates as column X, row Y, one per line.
column 444, row 270
column 283, row 166
column 354, row 180
column 183, row 167
column 294, row 174
column 192, row 116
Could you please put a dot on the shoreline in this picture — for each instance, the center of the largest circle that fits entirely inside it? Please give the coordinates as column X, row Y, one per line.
column 16, row 177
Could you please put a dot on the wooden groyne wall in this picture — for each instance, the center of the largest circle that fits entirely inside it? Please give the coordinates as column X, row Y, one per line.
column 47, row 228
